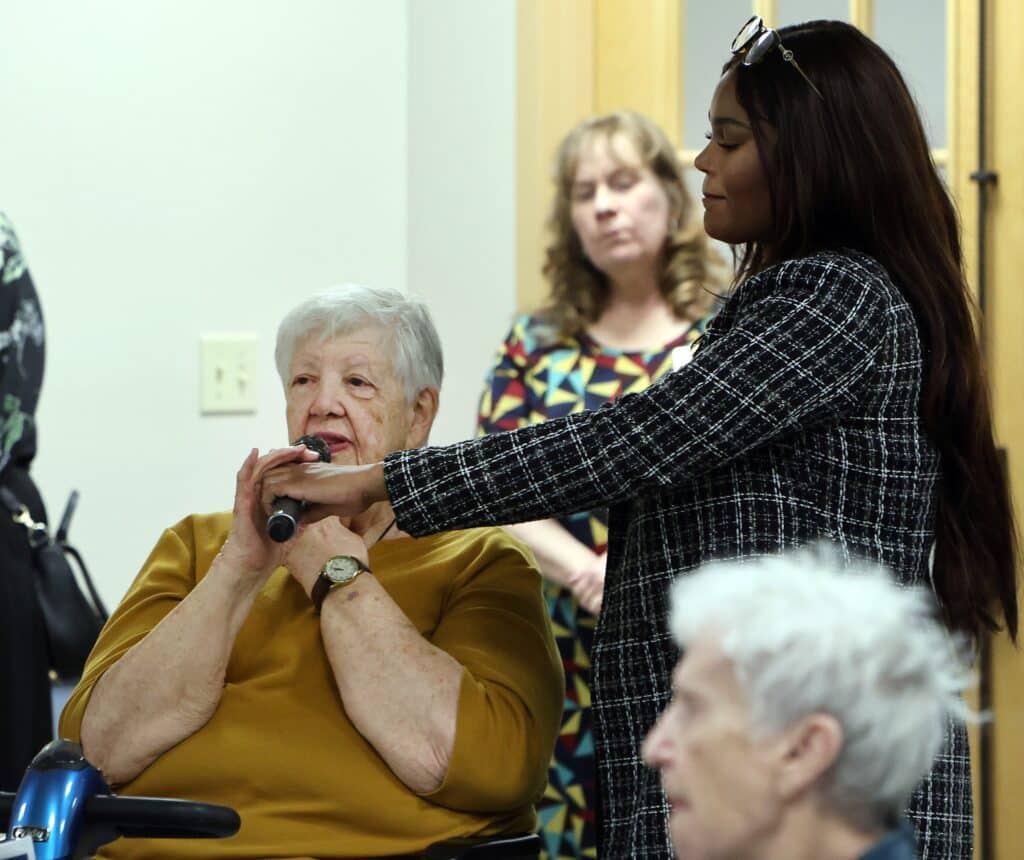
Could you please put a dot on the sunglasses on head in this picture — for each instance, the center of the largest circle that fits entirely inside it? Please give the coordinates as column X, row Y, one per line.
column 755, row 41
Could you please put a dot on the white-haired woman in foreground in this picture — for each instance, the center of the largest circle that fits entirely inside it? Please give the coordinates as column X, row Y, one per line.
column 809, row 704
column 353, row 692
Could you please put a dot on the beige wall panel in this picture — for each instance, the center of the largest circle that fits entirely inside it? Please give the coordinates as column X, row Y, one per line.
column 768, row 10
column 862, row 15
column 556, row 90
column 962, row 87
column 962, row 91
column 637, row 44
column 1005, row 321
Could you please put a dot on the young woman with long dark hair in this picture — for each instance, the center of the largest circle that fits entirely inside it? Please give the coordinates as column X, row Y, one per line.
column 838, row 394
column 854, row 174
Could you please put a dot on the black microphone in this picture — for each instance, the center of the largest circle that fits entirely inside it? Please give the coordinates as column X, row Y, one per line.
column 281, row 524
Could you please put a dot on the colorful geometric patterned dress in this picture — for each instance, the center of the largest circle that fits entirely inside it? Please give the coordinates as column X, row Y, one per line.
column 540, row 375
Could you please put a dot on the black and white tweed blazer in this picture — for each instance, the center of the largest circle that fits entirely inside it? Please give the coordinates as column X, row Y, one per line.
column 796, row 420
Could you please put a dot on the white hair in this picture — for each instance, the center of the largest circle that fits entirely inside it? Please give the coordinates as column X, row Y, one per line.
column 807, row 636
column 416, row 357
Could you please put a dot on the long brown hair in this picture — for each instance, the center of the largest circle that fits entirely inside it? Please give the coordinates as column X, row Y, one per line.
column 692, row 272
column 853, row 170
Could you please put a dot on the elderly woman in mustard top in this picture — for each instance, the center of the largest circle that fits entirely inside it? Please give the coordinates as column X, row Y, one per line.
column 418, row 702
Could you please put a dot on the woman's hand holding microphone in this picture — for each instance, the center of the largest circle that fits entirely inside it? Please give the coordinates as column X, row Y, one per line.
column 330, row 491
column 248, row 550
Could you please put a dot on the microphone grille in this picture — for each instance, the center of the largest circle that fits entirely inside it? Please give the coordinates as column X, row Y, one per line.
column 315, row 443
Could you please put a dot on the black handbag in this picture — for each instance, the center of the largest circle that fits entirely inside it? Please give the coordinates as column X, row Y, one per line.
column 73, row 619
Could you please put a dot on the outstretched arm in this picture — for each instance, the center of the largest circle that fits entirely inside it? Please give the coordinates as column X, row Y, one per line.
column 798, row 346
column 801, row 347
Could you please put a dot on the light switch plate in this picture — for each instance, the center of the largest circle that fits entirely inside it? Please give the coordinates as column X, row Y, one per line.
column 227, row 373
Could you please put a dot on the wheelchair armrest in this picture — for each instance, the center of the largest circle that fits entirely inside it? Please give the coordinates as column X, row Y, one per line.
column 525, row 847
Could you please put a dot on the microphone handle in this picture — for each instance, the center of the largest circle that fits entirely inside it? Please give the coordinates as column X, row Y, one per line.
column 282, row 523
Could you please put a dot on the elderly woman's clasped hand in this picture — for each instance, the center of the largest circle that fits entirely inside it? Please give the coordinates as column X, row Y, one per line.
column 287, row 472
column 305, row 553
column 248, row 548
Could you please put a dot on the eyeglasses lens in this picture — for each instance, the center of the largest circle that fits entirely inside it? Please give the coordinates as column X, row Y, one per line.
column 757, row 52
column 747, row 34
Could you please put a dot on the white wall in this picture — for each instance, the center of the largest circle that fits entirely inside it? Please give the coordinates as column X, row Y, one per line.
column 462, row 192
column 181, row 167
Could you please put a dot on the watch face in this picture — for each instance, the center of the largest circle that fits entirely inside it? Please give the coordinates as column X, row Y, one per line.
column 342, row 568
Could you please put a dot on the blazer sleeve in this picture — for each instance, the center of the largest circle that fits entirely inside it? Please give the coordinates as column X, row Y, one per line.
column 800, row 348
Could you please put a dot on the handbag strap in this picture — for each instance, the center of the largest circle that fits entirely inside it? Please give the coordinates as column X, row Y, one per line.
column 93, row 593
column 65, row 520
column 38, row 537
column 36, row 532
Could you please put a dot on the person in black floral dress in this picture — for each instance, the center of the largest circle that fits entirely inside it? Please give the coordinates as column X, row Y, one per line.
column 838, row 394
column 632, row 287
column 25, row 720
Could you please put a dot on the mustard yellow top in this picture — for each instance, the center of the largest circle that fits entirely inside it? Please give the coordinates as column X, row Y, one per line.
column 280, row 748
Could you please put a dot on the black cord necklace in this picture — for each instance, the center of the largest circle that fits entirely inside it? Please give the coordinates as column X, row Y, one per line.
column 381, row 537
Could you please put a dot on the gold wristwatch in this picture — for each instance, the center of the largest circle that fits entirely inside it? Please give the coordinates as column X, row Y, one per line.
column 339, row 570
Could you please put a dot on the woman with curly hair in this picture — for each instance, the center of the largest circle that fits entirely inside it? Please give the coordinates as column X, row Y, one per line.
column 629, row 275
